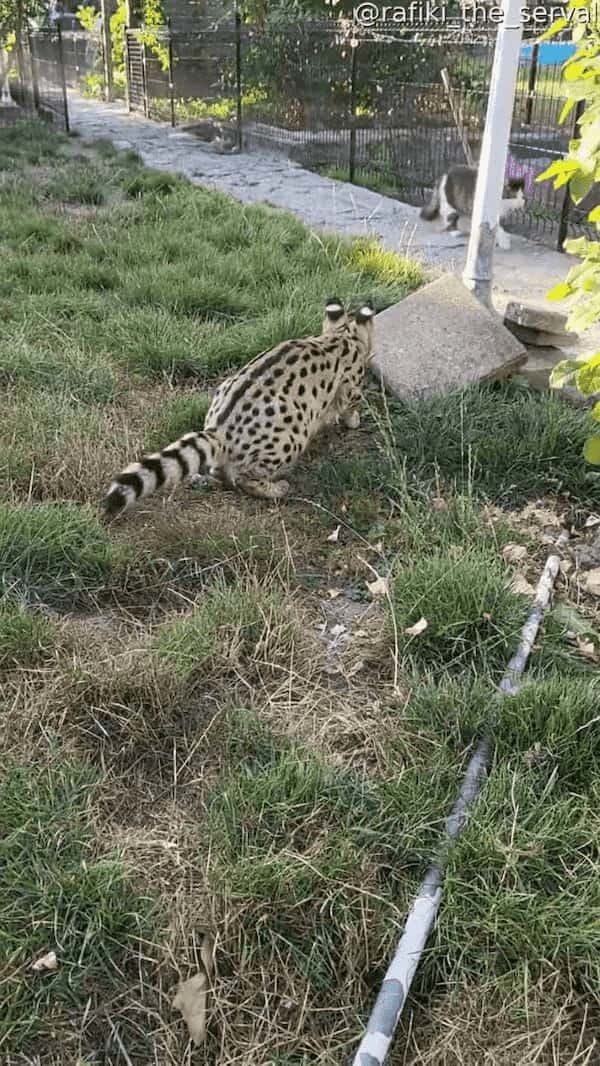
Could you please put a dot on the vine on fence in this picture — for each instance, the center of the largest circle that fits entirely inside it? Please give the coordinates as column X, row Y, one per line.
column 150, row 34
column 581, row 171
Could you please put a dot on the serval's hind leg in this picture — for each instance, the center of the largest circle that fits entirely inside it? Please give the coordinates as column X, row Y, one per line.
column 263, row 489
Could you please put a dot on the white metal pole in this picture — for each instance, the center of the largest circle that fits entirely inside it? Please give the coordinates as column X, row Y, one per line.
column 377, row 1040
column 477, row 274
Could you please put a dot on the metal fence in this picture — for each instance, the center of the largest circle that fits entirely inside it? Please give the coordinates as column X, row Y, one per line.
column 37, row 83
column 390, row 111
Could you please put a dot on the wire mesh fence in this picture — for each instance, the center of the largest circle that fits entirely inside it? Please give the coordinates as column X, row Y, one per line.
column 37, row 79
column 388, row 110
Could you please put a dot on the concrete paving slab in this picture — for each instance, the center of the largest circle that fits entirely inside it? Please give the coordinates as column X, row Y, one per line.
column 538, row 338
column 540, row 364
column 535, row 317
column 440, row 339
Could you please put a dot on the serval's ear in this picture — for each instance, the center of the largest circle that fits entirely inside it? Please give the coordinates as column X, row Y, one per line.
column 334, row 309
column 335, row 315
column 365, row 314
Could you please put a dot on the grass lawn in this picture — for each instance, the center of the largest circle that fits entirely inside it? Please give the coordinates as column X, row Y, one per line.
column 212, row 726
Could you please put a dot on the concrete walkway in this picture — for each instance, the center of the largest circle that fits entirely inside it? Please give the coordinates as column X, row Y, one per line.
column 526, row 272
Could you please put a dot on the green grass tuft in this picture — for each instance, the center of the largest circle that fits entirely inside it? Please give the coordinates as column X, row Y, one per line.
column 28, row 143
column 229, row 620
column 25, row 638
column 378, row 264
column 153, row 183
column 553, row 724
column 509, row 443
column 523, row 890
column 66, row 369
column 184, row 413
column 53, row 550
column 302, row 849
column 56, row 895
column 76, row 183
column 473, row 618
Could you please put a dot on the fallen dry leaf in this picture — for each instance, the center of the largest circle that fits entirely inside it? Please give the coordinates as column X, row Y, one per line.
column 521, row 587
column 191, row 995
column 587, row 649
column 591, row 521
column 46, row 963
column 190, row 1001
column 514, row 553
column 438, row 503
column 419, row 627
column 335, row 536
column 379, row 587
column 334, row 593
column 591, row 581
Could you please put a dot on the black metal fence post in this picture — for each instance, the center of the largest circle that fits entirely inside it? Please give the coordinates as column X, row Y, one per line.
column 563, row 225
column 352, row 146
column 145, row 81
column 238, row 78
column 531, row 84
column 34, row 80
column 63, row 80
column 171, row 76
column 127, row 68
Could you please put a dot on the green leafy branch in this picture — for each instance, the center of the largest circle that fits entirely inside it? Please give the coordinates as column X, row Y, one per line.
column 580, row 170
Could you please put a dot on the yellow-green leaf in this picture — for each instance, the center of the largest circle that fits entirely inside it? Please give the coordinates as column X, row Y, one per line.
column 594, row 215
column 596, row 412
column 566, row 110
column 559, row 292
column 560, row 24
column 588, row 376
column 574, row 70
column 591, row 450
column 563, row 373
column 580, row 186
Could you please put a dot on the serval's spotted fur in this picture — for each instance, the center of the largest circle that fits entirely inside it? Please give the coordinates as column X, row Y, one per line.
column 262, row 419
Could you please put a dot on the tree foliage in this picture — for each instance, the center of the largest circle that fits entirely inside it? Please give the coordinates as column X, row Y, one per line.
column 153, row 22
column 15, row 16
column 580, row 170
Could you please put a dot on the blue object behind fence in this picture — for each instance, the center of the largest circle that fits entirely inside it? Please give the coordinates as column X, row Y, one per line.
column 550, row 53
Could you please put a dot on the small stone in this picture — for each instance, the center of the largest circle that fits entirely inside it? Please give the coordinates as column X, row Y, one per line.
column 535, row 317
column 541, row 338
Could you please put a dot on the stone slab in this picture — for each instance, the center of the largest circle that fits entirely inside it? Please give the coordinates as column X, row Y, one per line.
column 439, row 339
column 536, row 317
column 540, row 364
column 539, row 338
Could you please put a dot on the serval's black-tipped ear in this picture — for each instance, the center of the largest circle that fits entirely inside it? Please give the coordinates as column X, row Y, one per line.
column 365, row 313
column 334, row 309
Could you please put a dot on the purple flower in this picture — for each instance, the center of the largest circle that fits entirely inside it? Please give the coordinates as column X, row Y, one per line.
column 517, row 168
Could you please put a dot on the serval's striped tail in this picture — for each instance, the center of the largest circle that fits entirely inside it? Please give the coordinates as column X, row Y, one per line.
column 194, row 453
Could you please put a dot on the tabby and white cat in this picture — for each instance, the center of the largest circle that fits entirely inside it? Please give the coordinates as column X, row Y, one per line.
column 263, row 418
column 453, row 198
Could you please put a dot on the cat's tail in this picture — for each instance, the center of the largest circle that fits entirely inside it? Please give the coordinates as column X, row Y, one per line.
column 194, row 453
column 432, row 209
